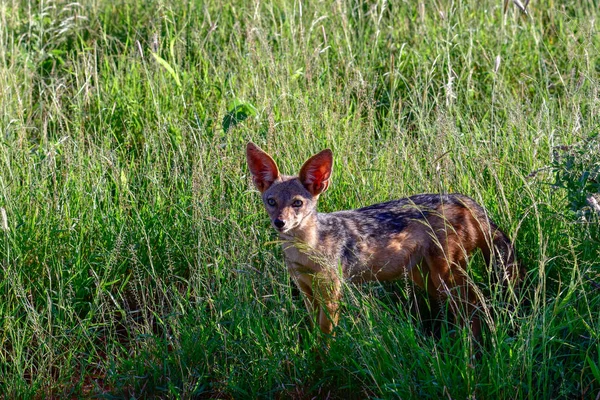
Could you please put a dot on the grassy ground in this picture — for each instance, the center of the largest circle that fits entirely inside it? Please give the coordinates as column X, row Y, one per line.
column 137, row 261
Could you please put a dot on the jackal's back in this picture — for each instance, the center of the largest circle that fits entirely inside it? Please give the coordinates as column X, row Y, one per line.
column 381, row 240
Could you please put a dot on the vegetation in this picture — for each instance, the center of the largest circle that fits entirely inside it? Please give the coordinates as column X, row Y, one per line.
column 137, row 261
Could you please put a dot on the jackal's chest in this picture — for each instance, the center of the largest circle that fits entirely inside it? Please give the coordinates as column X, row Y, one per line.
column 302, row 259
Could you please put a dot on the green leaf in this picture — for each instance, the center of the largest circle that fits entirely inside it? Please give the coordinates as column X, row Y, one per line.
column 168, row 67
column 237, row 114
column 595, row 369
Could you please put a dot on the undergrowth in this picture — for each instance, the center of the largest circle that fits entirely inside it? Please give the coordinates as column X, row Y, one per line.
column 136, row 260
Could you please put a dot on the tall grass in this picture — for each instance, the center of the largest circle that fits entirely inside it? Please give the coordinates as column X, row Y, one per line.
column 137, row 260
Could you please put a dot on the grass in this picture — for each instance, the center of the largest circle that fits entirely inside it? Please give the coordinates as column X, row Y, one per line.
column 137, row 260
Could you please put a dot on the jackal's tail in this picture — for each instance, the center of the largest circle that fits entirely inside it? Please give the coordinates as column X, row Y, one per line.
column 501, row 254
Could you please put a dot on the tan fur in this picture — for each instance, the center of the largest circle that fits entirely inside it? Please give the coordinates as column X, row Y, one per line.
column 426, row 237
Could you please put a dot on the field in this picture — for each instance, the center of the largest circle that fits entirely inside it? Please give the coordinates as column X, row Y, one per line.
column 137, row 260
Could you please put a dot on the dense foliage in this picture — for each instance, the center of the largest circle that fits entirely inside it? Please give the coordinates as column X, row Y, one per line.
column 136, row 259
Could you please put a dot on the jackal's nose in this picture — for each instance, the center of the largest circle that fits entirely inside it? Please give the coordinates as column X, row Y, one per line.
column 279, row 223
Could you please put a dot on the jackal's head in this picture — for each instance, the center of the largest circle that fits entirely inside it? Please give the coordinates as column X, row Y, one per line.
column 289, row 200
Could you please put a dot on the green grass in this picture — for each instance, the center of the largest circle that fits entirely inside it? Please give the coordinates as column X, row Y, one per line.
column 138, row 261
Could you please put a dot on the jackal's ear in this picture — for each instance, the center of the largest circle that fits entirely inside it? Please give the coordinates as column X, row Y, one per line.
column 316, row 171
column 263, row 168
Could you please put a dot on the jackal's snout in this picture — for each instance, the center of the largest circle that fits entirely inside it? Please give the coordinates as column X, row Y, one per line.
column 285, row 220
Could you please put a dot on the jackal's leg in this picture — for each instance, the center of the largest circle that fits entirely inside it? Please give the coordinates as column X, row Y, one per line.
column 307, row 296
column 447, row 280
column 327, row 291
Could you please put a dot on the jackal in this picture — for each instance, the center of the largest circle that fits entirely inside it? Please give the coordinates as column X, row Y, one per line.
column 427, row 237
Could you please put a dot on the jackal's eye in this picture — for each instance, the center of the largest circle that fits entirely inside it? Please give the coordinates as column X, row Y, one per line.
column 297, row 203
column 271, row 202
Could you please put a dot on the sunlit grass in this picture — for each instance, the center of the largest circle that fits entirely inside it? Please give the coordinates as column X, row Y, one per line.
column 137, row 260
